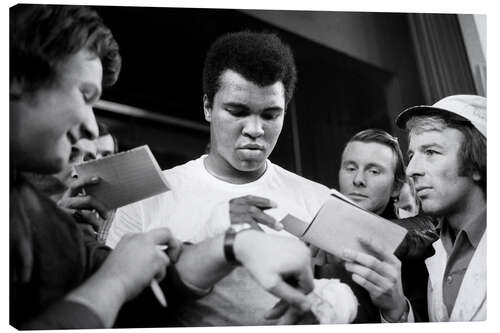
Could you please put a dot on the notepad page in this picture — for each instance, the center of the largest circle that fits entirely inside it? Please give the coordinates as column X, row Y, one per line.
column 339, row 224
column 126, row 177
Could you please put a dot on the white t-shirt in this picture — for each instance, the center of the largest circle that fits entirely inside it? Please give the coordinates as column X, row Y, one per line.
column 196, row 208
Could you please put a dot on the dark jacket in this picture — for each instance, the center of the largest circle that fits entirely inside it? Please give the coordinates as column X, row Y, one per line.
column 49, row 256
column 413, row 250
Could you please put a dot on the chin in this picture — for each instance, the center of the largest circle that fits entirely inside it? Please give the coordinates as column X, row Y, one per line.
column 250, row 165
column 431, row 208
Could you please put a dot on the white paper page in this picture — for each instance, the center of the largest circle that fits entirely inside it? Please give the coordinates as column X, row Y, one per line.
column 126, row 177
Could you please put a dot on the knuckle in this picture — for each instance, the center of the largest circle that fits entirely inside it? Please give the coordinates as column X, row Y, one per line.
column 253, row 210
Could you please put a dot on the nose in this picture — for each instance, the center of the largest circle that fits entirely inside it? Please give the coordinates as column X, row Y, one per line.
column 414, row 167
column 359, row 179
column 253, row 127
column 88, row 127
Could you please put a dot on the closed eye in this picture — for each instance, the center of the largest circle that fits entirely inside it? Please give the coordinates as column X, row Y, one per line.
column 430, row 152
column 349, row 168
column 90, row 94
column 271, row 114
column 236, row 112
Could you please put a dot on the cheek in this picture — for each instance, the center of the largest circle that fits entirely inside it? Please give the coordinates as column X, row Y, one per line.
column 344, row 181
column 383, row 187
column 447, row 179
column 273, row 130
column 226, row 132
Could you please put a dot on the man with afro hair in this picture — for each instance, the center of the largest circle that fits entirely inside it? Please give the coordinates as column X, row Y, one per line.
column 248, row 81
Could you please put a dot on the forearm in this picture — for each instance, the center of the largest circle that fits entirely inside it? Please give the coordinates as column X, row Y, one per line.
column 101, row 293
column 204, row 264
column 65, row 314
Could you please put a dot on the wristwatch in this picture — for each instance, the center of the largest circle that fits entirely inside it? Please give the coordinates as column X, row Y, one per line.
column 229, row 238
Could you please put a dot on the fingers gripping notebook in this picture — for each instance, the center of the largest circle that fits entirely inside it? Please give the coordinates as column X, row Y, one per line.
column 126, row 177
column 339, row 224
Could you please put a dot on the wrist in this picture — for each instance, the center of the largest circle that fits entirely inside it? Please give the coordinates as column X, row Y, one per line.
column 90, row 294
column 244, row 242
column 110, row 279
column 397, row 315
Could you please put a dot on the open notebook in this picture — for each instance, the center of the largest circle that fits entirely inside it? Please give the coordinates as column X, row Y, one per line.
column 126, row 177
column 339, row 223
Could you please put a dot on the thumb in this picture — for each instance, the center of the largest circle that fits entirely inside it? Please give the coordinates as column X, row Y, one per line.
column 160, row 236
column 291, row 295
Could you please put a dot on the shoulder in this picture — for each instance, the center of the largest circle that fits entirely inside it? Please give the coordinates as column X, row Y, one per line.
column 184, row 171
column 304, row 184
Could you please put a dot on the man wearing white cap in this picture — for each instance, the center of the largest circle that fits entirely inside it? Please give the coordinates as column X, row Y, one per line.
column 447, row 161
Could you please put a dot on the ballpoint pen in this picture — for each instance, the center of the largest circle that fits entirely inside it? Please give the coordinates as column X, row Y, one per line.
column 155, row 287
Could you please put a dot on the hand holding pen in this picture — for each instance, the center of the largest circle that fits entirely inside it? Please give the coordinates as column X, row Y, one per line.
column 155, row 287
column 138, row 260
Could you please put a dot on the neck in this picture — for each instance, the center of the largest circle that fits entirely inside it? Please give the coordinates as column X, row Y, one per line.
column 467, row 210
column 221, row 169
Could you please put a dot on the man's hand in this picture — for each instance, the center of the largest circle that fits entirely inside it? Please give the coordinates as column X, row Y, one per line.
column 290, row 315
column 130, row 268
column 380, row 275
column 250, row 209
column 274, row 260
column 85, row 208
column 137, row 259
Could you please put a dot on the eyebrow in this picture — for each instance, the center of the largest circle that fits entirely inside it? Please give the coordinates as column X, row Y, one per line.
column 349, row 162
column 376, row 165
column 246, row 108
column 430, row 145
column 236, row 105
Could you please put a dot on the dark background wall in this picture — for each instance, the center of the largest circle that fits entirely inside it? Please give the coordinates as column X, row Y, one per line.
column 351, row 77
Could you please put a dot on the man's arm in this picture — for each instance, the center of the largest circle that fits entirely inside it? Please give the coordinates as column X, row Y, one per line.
column 270, row 260
column 96, row 302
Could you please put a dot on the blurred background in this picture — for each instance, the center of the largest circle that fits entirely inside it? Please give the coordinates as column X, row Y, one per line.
column 356, row 70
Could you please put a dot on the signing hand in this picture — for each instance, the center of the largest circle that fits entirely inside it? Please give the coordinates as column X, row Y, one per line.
column 380, row 275
column 250, row 209
column 137, row 259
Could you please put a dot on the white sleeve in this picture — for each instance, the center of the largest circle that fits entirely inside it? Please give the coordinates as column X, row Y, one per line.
column 128, row 219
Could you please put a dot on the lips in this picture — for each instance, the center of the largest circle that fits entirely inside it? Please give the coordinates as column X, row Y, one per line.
column 422, row 190
column 252, row 146
column 357, row 196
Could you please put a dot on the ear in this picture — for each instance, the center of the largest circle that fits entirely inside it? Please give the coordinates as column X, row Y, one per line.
column 396, row 190
column 207, row 108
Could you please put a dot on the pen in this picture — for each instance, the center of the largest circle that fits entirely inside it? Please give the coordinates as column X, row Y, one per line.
column 155, row 287
column 158, row 293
